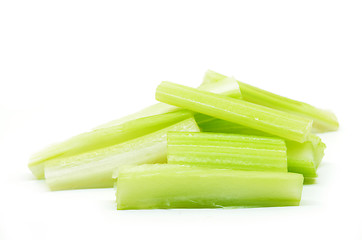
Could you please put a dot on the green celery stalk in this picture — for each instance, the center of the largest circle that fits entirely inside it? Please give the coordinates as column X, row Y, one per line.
column 323, row 120
column 302, row 158
column 226, row 86
column 175, row 186
column 231, row 151
column 265, row 119
column 104, row 137
column 94, row 169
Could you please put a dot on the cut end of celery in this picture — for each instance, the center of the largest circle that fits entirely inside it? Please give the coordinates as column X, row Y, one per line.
column 37, row 170
column 226, row 86
column 211, row 77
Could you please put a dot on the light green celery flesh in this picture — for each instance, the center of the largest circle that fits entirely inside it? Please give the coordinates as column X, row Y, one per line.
column 94, row 169
column 212, row 76
column 231, row 151
column 104, row 137
column 265, row 119
column 226, row 86
column 302, row 158
column 175, row 186
column 318, row 147
column 323, row 120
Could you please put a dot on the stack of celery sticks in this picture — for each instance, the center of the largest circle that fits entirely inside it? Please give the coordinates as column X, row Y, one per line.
column 226, row 144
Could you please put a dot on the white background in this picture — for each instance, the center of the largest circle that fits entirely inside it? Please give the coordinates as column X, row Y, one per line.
column 67, row 66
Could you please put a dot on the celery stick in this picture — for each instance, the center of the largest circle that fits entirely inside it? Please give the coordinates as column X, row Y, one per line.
column 323, row 120
column 226, row 86
column 302, row 158
column 94, row 169
column 175, row 186
column 265, row 119
column 231, row 151
column 104, row 137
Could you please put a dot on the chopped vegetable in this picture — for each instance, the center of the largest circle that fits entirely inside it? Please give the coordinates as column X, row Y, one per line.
column 323, row 120
column 94, row 169
column 302, row 158
column 104, row 137
column 256, row 150
column 231, row 151
column 265, row 119
column 176, row 186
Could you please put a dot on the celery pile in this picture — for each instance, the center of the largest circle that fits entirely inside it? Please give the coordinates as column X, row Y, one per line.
column 223, row 144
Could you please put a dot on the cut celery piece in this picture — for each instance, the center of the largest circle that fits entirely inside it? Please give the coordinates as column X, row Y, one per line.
column 175, row 186
column 275, row 122
column 323, row 120
column 94, row 169
column 231, row 151
column 227, row 86
column 104, row 137
column 302, row 158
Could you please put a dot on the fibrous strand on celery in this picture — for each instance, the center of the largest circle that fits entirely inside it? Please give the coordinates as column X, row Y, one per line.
column 232, row 151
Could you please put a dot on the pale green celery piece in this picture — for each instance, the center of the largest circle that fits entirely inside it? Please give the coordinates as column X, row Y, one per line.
column 275, row 122
column 323, row 120
column 302, row 158
column 94, row 169
column 231, row 151
column 226, row 86
column 104, row 137
column 160, row 186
